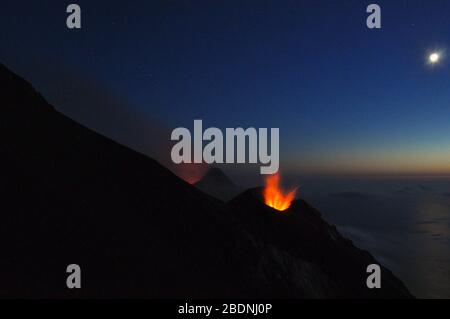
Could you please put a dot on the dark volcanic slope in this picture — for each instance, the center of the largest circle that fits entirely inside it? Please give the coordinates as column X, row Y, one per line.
column 217, row 184
column 318, row 252
column 69, row 195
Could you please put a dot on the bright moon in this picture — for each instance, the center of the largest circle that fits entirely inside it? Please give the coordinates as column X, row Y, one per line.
column 434, row 58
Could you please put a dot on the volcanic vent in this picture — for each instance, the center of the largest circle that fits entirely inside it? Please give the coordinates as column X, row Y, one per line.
column 311, row 249
column 274, row 195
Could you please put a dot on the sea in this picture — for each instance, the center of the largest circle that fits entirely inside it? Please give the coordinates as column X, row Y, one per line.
column 403, row 221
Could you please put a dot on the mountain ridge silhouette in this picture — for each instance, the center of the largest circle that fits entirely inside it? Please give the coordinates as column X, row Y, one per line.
column 217, row 184
column 70, row 195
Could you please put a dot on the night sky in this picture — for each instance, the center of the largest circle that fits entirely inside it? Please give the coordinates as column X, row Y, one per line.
column 347, row 99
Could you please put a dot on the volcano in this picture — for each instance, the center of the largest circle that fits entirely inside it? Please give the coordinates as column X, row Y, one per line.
column 218, row 185
column 321, row 260
column 70, row 195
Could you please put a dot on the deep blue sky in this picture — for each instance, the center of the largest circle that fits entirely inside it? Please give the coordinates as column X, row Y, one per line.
column 346, row 98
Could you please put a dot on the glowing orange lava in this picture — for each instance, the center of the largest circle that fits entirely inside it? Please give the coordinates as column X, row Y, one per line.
column 274, row 196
